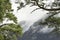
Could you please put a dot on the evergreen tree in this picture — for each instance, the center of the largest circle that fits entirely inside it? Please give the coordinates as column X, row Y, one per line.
column 12, row 30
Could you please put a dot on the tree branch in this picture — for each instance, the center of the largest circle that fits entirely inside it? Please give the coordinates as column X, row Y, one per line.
column 47, row 9
column 5, row 24
column 54, row 14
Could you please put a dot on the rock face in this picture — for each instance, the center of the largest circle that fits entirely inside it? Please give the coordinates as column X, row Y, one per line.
column 35, row 33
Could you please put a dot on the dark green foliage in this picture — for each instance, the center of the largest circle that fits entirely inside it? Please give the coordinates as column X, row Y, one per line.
column 12, row 30
column 11, row 17
column 4, row 7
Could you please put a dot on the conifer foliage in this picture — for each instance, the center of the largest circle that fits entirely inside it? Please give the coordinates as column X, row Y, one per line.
column 12, row 30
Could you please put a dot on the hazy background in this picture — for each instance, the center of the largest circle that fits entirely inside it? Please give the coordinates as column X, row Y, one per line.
column 24, row 15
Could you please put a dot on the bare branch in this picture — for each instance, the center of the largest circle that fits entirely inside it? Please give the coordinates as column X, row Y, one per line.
column 35, row 9
column 54, row 9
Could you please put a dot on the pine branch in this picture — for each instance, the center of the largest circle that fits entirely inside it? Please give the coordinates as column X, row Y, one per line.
column 4, row 24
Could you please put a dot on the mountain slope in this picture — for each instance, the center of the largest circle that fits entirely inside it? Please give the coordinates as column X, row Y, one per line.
column 35, row 33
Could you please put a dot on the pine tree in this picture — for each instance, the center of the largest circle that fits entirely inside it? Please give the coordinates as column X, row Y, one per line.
column 8, row 31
